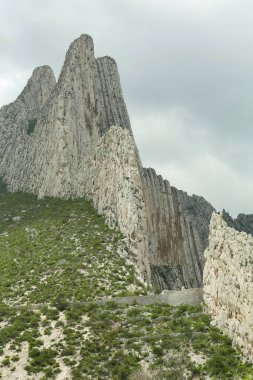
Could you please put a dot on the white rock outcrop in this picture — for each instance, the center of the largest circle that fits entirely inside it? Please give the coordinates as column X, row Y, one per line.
column 112, row 179
column 228, row 282
column 80, row 144
column 73, row 138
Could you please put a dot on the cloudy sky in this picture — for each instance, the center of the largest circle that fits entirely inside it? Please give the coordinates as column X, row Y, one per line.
column 186, row 69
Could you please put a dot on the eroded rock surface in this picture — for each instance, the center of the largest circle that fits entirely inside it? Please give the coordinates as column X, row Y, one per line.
column 113, row 181
column 80, row 143
column 177, row 233
column 228, row 282
column 73, row 138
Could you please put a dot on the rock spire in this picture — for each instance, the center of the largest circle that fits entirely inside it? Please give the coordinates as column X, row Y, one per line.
column 73, row 138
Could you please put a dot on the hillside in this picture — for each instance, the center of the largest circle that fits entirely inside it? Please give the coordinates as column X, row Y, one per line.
column 58, row 258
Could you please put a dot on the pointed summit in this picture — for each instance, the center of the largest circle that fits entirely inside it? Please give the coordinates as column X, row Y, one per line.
column 74, row 139
column 20, row 117
column 84, row 104
column 39, row 88
column 113, row 105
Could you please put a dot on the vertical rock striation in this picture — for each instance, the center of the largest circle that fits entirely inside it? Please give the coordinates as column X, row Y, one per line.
column 81, row 144
column 73, row 138
column 228, row 282
column 114, row 111
column 18, row 119
column 86, row 101
column 177, row 233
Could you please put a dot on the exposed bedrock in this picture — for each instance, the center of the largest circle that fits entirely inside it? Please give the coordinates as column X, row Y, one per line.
column 74, row 138
column 228, row 282
column 177, row 233
column 85, row 102
column 17, row 118
column 113, row 181
column 81, row 143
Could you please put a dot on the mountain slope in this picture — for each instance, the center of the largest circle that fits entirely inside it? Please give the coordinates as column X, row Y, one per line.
column 58, row 258
column 73, row 139
column 51, row 248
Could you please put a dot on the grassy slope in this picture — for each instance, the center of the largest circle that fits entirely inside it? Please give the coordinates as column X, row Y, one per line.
column 55, row 252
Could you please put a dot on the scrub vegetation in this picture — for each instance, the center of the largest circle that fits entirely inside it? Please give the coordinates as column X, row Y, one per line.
column 58, row 258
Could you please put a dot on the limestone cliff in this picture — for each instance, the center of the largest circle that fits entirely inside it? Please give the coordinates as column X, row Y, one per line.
column 72, row 149
column 73, row 138
column 228, row 282
column 18, row 119
column 178, row 233
column 82, row 106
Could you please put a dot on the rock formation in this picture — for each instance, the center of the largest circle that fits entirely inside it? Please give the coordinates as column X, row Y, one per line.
column 73, row 138
column 80, row 143
column 177, row 233
column 243, row 223
column 228, row 282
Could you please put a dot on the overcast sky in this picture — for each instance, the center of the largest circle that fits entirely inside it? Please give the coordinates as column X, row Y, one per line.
column 186, row 69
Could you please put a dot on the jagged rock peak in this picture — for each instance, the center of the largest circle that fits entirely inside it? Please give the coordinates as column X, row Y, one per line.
column 113, row 105
column 108, row 59
column 243, row 222
column 84, row 43
column 94, row 85
column 83, row 38
column 74, row 139
column 43, row 151
column 79, row 53
column 40, row 86
column 35, row 94
column 44, row 71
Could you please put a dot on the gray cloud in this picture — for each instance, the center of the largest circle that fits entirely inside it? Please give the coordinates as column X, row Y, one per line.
column 186, row 68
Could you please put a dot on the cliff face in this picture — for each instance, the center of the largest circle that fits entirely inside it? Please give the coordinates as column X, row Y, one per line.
column 73, row 138
column 177, row 233
column 80, row 143
column 17, row 121
column 82, row 106
column 113, row 181
column 228, row 282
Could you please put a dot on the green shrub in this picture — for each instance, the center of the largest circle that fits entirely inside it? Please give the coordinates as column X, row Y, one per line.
column 31, row 126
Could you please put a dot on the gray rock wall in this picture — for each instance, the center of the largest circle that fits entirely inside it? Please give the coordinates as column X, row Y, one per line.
column 81, row 145
column 228, row 282
column 15, row 119
column 114, row 111
column 86, row 101
column 177, row 233
column 74, row 138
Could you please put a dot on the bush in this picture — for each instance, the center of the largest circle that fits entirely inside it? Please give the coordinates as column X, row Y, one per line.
column 31, row 126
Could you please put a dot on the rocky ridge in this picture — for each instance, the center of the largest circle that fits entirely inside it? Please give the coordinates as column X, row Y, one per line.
column 228, row 282
column 243, row 223
column 73, row 138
